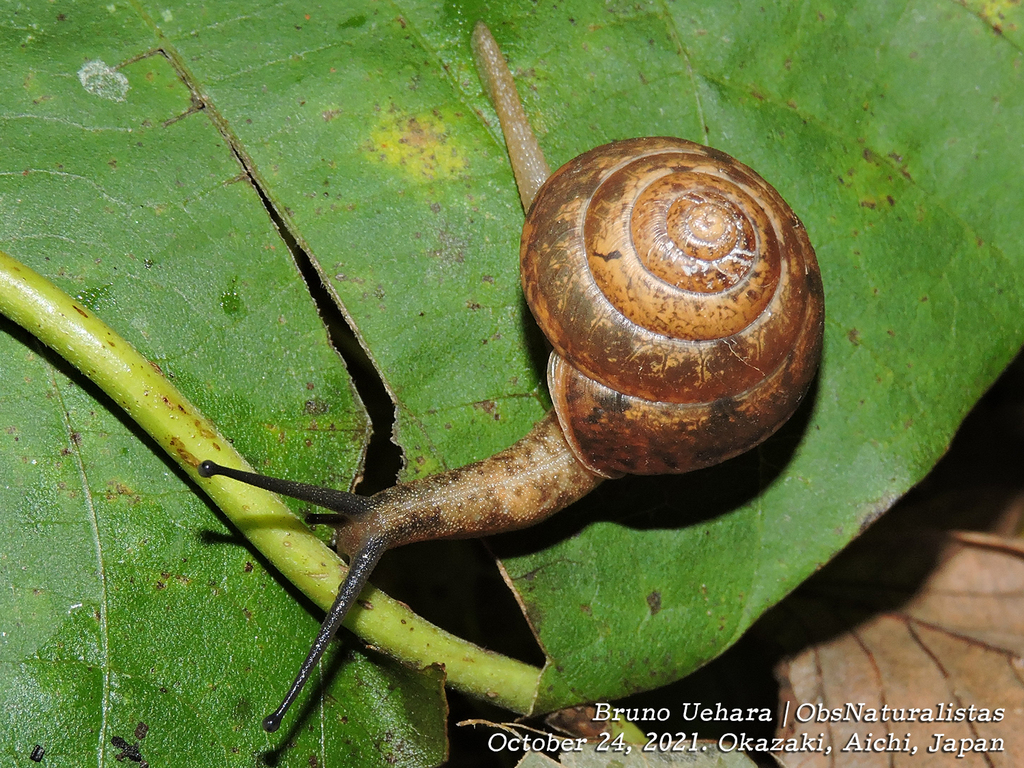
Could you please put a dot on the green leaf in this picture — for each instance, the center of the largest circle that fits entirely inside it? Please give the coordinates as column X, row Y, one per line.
column 891, row 130
column 125, row 597
column 897, row 157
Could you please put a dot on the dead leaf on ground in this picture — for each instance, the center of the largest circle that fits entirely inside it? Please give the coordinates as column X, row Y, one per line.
column 904, row 627
column 707, row 756
column 578, row 721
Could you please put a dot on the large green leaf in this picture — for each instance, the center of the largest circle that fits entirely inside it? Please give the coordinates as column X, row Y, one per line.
column 887, row 129
column 890, row 130
column 125, row 597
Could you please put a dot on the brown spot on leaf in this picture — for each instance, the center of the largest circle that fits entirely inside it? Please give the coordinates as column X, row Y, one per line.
column 489, row 407
column 654, row 602
column 316, row 407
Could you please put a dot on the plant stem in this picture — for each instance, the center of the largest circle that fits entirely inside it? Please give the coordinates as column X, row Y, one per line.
column 139, row 387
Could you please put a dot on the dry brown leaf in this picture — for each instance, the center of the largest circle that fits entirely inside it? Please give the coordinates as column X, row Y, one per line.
column 904, row 628
column 578, row 721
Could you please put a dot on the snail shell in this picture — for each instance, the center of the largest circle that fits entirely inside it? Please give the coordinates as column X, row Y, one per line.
column 683, row 301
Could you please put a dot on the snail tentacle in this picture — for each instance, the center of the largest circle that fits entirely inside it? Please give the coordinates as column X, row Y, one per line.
column 351, row 505
column 359, row 570
column 528, row 163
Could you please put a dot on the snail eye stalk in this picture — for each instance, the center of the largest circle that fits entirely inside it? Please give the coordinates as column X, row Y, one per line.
column 359, row 570
column 363, row 562
column 351, row 505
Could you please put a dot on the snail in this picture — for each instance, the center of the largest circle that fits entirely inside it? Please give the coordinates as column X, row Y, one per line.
column 684, row 305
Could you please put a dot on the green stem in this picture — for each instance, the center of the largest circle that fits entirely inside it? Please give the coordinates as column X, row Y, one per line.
column 138, row 386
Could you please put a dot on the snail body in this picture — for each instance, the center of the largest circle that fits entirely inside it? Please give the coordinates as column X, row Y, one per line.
column 684, row 306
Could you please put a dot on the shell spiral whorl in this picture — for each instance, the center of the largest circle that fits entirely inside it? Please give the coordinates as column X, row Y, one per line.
column 683, row 301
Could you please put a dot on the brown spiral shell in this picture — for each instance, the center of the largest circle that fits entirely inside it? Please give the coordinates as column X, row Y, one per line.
column 683, row 301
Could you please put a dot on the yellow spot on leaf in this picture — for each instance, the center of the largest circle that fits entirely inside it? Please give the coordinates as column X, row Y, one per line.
column 1003, row 15
column 420, row 145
